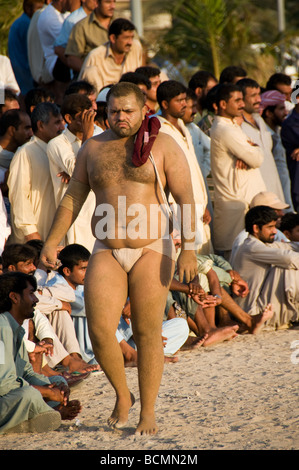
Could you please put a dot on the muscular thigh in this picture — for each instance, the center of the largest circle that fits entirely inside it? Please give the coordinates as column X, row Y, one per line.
column 149, row 282
column 105, row 291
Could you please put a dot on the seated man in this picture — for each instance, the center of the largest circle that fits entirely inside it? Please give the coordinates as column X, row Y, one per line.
column 219, row 283
column 23, row 392
column 175, row 333
column 270, row 268
column 71, row 273
column 66, row 352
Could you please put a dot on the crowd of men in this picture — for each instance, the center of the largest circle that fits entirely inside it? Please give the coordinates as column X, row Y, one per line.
column 228, row 147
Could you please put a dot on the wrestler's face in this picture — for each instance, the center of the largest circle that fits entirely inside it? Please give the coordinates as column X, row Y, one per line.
column 252, row 100
column 125, row 115
column 266, row 233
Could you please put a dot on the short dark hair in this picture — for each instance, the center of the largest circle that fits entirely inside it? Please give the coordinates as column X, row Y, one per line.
column 75, row 103
column 168, row 90
column 230, row 73
column 277, row 78
column 80, row 85
column 137, row 78
column 245, row 83
column 9, row 95
column 224, row 92
column 71, row 256
column 13, row 282
column 11, row 117
column 289, row 221
column 148, row 70
column 16, row 253
column 43, row 112
column 124, row 89
column 120, row 25
column 200, row 79
column 37, row 95
column 259, row 215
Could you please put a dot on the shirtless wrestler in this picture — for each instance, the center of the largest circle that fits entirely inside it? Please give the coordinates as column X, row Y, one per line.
column 122, row 264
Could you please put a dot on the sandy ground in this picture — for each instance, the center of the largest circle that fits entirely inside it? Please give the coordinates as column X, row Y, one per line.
column 238, row 395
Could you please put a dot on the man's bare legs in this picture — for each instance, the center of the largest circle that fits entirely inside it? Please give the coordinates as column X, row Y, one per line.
column 149, row 282
column 252, row 323
column 106, row 290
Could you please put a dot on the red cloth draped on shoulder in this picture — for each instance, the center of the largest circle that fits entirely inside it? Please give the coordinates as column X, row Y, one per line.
column 144, row 140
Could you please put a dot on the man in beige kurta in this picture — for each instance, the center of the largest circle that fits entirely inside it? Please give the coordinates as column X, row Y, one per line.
column 62, row 153
column 172, row 106
column 270, row 268
column 105, row 64
column 30, row 186
column 235, row 170
column 256, row 130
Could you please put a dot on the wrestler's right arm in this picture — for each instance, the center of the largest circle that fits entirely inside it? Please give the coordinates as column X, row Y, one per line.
column 67, row 211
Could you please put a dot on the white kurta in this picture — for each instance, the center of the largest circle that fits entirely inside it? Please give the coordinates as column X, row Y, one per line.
column 62, row 152
column 30, row 191
column 233, row 188
column 272, row 273
column 184, row 140
column 262, row 137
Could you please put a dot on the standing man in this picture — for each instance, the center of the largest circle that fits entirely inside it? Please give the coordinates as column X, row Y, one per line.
column 274, row 112
column 255, row 128
column 171, row 97
column 105, row 64
column 89, row 33
column 30, row 186
column 154, row 75
column 141, row 261
column 62, row 152
column 235, row 163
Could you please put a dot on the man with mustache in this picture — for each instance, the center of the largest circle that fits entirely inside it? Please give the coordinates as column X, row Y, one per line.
column 23, row 392
column 255, row 128
column 270, row 268
column 235, row 164
column 122, row 53
column 132, row 160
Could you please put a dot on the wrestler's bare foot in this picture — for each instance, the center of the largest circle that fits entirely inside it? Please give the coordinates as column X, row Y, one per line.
column 69, row 411
column 259, row 320
column 194, row 342
column 147, row 426
column 119, row 417
column 218, row 335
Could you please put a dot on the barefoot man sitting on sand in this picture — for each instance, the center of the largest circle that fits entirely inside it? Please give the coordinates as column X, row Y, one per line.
column 132, row 255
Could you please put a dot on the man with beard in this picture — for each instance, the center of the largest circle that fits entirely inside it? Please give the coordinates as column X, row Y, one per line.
column 255, row 128
column 270, row 269
column 23, row 392
column 128, row 167
column 171, row 96
column 274, row 112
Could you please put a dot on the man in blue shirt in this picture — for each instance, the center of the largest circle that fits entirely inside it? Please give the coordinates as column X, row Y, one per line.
column 17, row 45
